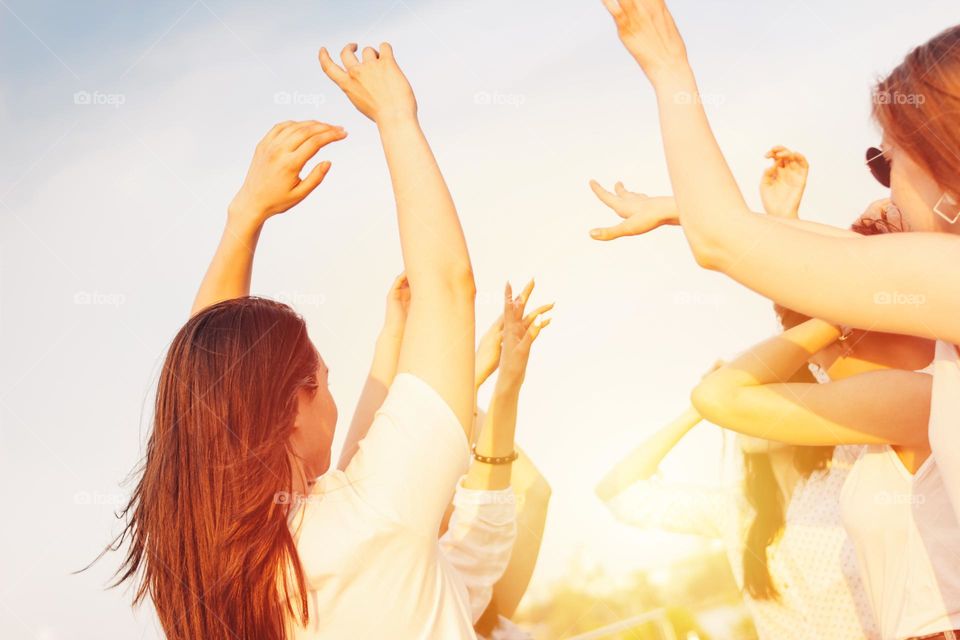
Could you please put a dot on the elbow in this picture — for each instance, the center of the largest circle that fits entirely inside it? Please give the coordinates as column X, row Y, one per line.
column 722, row 402
column 452, row 285
column 540, row 491
column 460, row 288
column 536, row 497
column 710, row 401
column 706, row 249
column 711, row 239
column 462, row 283
column 707, row 260
column 458, row 282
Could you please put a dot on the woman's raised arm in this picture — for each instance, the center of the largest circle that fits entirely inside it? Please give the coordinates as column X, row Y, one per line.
column 848, row 280
column 438, row 344
column 383, row 369
column 496, row 438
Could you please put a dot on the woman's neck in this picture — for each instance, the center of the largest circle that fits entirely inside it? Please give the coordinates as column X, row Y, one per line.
column 300, row 477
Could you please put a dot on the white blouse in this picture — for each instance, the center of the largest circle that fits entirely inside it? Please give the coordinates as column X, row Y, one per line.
column 813, row 564
column 367, row 536
column 944, row 430
column 904, row 525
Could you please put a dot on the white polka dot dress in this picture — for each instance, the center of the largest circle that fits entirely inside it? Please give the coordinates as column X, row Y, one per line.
column 813, row 563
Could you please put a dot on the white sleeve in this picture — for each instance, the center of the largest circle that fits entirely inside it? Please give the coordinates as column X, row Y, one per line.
column 677, row 508
column 408, row 465
column 479, row 540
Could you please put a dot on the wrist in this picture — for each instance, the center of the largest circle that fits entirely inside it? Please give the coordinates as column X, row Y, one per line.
column 675, row 84
column 508, row 383
column 243, row 228
column 668, row 212
column 390, row 335
column 790, row 211
column 244, row 216
column 397, row 118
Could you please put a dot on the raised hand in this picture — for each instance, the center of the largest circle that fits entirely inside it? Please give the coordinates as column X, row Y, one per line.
column 375, row 85
column 784, row 182
column 491, row 343
column 398, row 303
column 881, row 216
column 488, row 352
column 272, row 186
column 519, row 333
column 273, row 183
column 640, row 213
column 647, row 30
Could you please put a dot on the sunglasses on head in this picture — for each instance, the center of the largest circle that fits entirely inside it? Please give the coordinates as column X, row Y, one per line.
column 879, row 166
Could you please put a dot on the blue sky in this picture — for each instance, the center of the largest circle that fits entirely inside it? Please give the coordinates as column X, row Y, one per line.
column 109, row 213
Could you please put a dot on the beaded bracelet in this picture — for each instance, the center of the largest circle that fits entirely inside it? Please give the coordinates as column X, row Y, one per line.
column 494, row 459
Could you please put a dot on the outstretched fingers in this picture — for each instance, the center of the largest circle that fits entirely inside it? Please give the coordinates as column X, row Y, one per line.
column 311, row 145
column 531, row 317
column 312, row 181
column 525, row 294
column 612, row 200
column 291, row 138
column 533, row 331
column 613, row 6
column 512, row 308
column 334, row 71
column 605, row 234
column 277, row 130
column 348, row 55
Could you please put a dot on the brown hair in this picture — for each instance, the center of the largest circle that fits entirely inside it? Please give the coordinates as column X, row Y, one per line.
column 918, row 106
column 762, row 493
column 208, row 521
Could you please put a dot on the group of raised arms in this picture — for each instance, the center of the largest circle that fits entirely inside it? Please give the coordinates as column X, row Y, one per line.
column 841, row 520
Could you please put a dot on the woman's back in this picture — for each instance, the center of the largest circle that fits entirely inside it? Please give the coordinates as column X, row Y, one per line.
column 367, row 536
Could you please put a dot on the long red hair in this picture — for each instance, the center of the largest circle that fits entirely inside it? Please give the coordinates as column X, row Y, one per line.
column 207, row 524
